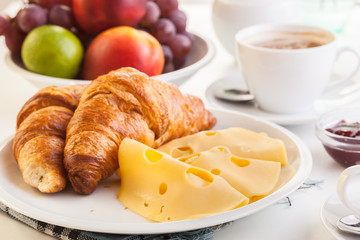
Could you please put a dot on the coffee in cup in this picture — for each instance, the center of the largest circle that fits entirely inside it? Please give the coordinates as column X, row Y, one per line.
column 288, row 40
column 287, row 67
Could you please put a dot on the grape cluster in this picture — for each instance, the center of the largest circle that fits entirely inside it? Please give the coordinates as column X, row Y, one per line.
column 163, row 19
column 167, row 23
column 34, row 14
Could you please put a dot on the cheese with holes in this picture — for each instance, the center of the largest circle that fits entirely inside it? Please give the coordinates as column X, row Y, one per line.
column 161, row 188
column 253, row 178
column 241, row 142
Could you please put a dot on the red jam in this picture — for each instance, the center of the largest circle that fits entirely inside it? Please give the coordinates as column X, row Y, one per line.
column 345, row 129
column 346, row 155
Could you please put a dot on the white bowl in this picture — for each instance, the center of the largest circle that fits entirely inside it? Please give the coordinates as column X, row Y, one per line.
column 201, row 53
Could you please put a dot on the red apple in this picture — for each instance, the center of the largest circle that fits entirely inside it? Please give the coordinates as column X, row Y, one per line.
column 95, row 16
column 123, row 46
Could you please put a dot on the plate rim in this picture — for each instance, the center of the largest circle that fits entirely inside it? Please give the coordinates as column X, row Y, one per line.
column 177, row 226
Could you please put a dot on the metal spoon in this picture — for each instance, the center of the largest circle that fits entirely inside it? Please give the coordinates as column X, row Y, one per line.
column 234, row 95
column 350, row 223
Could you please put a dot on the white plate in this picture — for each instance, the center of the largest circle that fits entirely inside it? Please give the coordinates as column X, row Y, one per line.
column 201, row 53
column 102, row 212
column 331, row 212
column 350, row 97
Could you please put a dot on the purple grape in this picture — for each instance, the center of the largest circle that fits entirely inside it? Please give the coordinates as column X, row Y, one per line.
column 180, row 45
column 179, row 62
column 84, row 38
column 167, row 6
column 14, row 38
column 163, row 30
column 61, row 15
column 30, row 17
column 44, row 3
column 152, row 14
column 167, row 54
column 51, row 3
column 178, row 17
column 190, row 36
column 169, row 67
column 4, row 23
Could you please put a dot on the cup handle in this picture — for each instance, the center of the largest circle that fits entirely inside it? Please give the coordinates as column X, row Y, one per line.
column 353, row 73
column 342, row 184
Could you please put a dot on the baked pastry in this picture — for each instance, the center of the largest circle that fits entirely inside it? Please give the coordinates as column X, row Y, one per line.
column 40, row 136
column 125, row 103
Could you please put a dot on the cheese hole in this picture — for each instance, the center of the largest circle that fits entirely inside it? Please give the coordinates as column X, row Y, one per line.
column 189, row 159
column 221, row 149
column 146, row 204
column 215, row 171
column 162, row 188
column 161, row 209
column 210, row 133
column 182, row 151
column 199, row 177
column 240, row 162
column 153, row 156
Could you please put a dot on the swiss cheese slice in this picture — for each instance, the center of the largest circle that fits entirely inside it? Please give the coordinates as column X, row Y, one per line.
column 253, row 178
column 241, row 142
column 161, row 188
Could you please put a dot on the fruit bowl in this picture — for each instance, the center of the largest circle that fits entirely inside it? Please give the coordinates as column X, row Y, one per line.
column 201, row 53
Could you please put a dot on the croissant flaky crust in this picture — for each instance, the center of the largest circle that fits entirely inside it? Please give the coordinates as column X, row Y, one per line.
column 40, row 136
column 125, row 103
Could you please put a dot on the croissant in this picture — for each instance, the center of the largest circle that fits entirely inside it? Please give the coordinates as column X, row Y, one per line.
column 125, row 103
column 40, row 136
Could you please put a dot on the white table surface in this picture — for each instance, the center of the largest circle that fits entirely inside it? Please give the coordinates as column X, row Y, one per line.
column 299, row 221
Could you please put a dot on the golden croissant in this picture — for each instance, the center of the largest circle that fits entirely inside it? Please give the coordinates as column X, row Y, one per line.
column 40, row 136
column 125, row 103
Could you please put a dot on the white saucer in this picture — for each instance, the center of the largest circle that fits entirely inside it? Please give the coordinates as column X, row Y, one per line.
column 331, row 212
column 325, row 103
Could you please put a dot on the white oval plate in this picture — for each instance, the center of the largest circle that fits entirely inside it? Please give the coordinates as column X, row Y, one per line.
column 102, row 212
column 201, row 53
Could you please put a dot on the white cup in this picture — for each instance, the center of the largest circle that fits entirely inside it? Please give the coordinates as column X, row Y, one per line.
column 289, row 80
column 228, row 16
column 348, row 188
